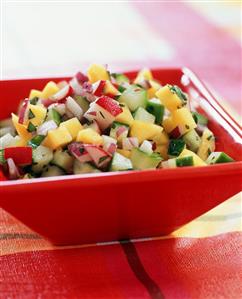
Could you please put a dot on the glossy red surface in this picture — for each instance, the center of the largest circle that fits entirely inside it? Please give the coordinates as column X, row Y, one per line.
column 113, row 206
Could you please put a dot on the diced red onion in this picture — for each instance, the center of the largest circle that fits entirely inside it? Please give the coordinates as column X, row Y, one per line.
column 12, row 169
column 46, row 127
column 77, row 150
column 129, row 143
column 81, row 78
column 112, row 148
column 100, row 157
column 74, row 108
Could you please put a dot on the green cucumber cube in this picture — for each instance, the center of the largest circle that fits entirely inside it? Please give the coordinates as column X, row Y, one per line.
column 119, row 163
column 218, row 157
column 142, row 160
column 143, row 115
column 192, row 140
column 154, row 107
column 54, row 115
column 200, row 119
column 184, row 161
column 176, row 146
column 134, row 97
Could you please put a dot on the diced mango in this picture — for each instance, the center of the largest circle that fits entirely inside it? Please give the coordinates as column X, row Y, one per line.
column 49, row 90
column 110, row 89
column 125, row 117
column 144, row 131
column 57, row 138
column 97, row 72
column 169, row 99
column 89, row 136
column 162, row 149
column 196, row 159
column 19, row 141
column 155, row 86
column 207, row 145
column 21, row 129
column 125, row 153
column 184, row 120
column 35, row 93
column 144, row 74
column 73, row 125
column 161, row 139
column 168, row 124
column 39, row 114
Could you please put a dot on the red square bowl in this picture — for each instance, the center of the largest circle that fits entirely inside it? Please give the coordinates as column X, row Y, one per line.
column 113, row 206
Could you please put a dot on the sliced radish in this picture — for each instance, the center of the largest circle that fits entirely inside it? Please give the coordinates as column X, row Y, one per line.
column 110, row 105
column 130, row 142
column 87, row 92
column 94, row 125
column 100, row 157
column 12, row 169
column 175, row 133
column 100, row 115
column 98, row 87
column 24, row 111
column 62, row 84
column 109, row 144
column 78, row 151
column 81, row 78
column 120, row 131
column 76, row 87
column 46, row 127
column 63, row 93
column 112, row 148
column 74, row 108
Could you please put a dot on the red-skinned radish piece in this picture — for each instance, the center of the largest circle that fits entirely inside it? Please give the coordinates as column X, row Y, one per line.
column 74, row 108
column 100, row 157
column 109, row 144
column 81, row 78
column 62, row 94
column 130, row 142
column 24, row 111
column 78, row 151
column 46, row 127
column 12, row 170
column 95, row 127
column 110, row 105
column 98, row 87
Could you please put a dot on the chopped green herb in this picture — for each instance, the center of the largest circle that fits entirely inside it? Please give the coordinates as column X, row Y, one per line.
column 209, row 151
column 187, row 127
column 102, row 159
column 36, row 141
column 176, row 146
column 31, row 127
column 31, row 114
column 34, row 101
column 175, row 89
column 102, row 114
column 81, row 150
column 209, row 137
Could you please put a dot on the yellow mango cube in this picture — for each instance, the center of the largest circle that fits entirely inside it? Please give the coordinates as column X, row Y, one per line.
column 169, row 99
column 184, row 120
column 207, row 145
column 125, row 117
column 49, row 90
column 73, row 125
column 39, row 114
column 168, row 124
column 162, row 149
column 144, row 74
column 124, row 153
column 161, row 139
column 97, row 72
column 89, row 136
column 21, row 129
column 110, row 89
column 196, row 159
column 35, row 93
column 144, row 131
column 57, row 138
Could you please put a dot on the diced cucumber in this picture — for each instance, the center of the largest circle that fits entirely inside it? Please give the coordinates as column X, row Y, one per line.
column 119, row 131
column 41, row 158
column 192, row 140
column 80, row 168
column 200, row 119
column 120, row 78
column 143, row 115
column 36, row 141
column 82, row 102
column 154, row 107
column 7, row 130
column 52, row 171
column 176, row 146
column 142, row 160
column 134, row 97
column 184, row 161
column 119, row 162
column 6, row 140
column 63, row 160
column 54, row 115
column 218, row 157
